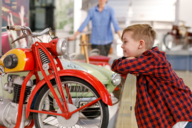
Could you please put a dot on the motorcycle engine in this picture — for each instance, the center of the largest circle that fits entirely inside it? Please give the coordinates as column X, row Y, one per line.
column 8, row 107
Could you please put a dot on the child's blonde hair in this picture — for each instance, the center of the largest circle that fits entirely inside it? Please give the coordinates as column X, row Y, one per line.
column 142, row 31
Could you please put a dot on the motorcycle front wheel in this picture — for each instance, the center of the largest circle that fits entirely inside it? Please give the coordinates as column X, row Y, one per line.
column 82, row 93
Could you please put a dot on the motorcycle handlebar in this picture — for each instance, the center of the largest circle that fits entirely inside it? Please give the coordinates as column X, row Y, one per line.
column 19, row 28
column 27, row 31
column 16, row 28
column 42, row 32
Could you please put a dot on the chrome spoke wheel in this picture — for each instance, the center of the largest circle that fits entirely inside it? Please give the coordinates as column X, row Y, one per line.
column 82, row 93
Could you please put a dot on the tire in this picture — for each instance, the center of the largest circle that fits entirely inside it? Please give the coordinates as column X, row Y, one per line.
column 169, row 41
column 80, row 91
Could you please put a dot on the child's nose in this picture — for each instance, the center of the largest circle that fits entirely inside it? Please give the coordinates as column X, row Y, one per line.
column 122, row 46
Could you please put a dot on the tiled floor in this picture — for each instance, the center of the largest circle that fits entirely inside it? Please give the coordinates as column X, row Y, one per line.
column 126, row 115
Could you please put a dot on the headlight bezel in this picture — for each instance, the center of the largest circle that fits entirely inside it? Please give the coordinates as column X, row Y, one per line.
column 61, row 47
column 116, row 79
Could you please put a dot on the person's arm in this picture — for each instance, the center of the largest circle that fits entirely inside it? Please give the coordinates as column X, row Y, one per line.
column 115, row 23
column 145, row 65
column 119, row 34
column 86, row 21
column 74, row 36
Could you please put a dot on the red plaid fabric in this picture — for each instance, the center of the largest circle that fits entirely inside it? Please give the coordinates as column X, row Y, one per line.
column 162, row 97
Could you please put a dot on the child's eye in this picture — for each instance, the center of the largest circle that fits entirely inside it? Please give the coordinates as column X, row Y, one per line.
column 124, row 42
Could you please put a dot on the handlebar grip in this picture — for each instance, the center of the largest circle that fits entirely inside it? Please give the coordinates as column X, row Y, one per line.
column 16, row 28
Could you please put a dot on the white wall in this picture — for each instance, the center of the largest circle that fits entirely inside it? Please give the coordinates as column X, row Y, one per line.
column 186, row 12
column 153, row 10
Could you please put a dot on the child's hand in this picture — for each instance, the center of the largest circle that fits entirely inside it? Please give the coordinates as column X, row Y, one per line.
column 135, row 74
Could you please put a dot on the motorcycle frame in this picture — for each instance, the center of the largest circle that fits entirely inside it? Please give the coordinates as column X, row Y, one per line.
column 54, row 73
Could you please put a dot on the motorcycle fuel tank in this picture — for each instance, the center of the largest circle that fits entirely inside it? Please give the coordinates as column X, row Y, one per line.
column 25, row 60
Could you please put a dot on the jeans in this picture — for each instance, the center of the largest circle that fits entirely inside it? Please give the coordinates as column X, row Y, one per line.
column 189, row 125
column 104, row 49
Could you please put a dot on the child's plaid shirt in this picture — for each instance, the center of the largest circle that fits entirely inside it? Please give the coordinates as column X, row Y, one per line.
column 162, row 97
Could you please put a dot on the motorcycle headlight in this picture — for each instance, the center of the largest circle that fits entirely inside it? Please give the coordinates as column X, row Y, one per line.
column 116, row 79
column 10, row 61
column 61, row 47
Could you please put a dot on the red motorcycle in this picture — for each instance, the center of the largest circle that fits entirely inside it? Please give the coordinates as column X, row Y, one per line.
column 60, row 99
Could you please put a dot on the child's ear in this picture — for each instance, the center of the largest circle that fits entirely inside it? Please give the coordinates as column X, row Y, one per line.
column 141, row 44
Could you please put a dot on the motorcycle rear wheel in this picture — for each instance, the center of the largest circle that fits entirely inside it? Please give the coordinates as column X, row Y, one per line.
column 82, row 93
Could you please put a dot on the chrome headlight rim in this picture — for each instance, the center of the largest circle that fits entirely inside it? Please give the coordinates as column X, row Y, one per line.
column 116, row 79
column 61, row 47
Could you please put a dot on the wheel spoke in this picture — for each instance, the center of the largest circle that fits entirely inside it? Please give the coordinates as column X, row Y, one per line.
column 81, row 95
column 90, row 120
column 50, row 120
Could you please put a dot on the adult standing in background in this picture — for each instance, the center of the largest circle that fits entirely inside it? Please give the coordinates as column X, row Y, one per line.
column 101, row 16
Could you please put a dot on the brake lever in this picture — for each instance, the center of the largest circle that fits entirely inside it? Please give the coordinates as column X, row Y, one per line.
column 23, row 36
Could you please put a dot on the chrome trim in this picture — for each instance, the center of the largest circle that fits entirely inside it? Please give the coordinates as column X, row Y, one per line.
column 114, row 77
column 61, row 47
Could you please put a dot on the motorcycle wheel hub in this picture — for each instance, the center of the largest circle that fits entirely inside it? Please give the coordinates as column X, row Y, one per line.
column 72, row 120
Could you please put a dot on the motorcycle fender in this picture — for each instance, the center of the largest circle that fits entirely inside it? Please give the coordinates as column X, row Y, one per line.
column 99, row 87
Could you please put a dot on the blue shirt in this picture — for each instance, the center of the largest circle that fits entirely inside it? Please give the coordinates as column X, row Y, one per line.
column 101, row 25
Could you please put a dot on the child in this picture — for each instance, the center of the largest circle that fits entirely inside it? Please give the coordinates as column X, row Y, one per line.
column 163, row 100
